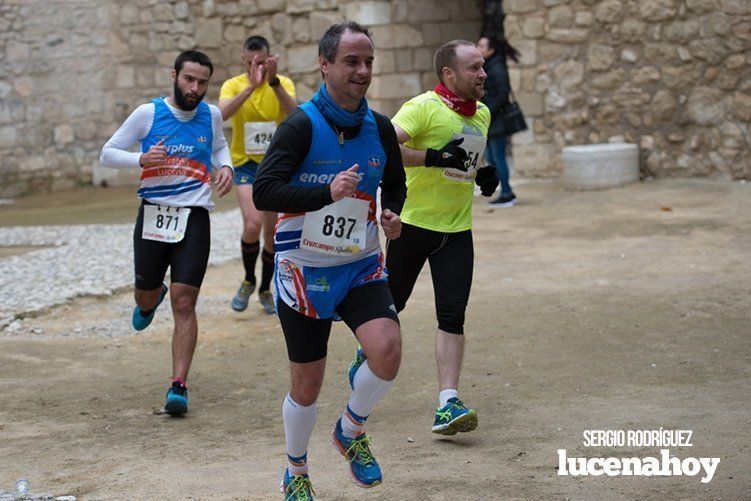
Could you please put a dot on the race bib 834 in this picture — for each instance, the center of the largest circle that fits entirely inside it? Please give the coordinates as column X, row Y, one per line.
column 475, row 148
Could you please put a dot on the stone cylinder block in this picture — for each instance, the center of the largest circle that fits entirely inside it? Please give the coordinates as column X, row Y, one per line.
column 596, row 166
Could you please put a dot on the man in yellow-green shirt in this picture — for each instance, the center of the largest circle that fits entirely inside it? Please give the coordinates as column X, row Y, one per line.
column 256, row 101
column 443, row 134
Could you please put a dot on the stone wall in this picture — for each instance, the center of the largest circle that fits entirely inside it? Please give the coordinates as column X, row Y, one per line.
column 55, row 108
column 72, row 70
column 673, row 76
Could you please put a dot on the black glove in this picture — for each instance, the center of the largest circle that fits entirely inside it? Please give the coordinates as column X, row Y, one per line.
column 451, row 155
column 487, row 179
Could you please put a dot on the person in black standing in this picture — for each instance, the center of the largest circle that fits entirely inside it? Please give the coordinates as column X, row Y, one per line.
column 496, row 52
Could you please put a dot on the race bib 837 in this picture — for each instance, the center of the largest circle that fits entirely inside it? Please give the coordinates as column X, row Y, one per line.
column 339, row 229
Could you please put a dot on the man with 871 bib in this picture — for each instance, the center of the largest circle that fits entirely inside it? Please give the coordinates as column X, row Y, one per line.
column 181, row 138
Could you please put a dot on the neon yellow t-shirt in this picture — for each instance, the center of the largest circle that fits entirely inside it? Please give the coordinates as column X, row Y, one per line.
column 441, row 199
column 261, row 106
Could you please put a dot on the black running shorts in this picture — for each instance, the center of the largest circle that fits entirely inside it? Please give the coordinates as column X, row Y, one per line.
column 307, row 338
column 187, row 259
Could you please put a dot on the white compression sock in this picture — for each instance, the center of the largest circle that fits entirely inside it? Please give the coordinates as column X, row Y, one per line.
column 444, row 396
column 298, row 427
column 369, row 390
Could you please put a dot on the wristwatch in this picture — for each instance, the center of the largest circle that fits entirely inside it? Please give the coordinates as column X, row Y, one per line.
column 274, row 82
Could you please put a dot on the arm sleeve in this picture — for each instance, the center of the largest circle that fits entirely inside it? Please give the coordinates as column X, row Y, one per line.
column 288, row 149
column 394, row 181
column 220, row 155
column 115, row 152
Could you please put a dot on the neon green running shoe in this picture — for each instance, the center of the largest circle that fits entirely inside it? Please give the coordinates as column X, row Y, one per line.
column 454, row 417
column 297, row 487
column 363, row 466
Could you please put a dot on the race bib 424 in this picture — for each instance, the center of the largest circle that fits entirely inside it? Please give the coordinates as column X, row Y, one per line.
column 258, row 137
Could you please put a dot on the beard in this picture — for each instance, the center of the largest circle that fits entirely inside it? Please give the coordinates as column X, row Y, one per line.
column 470, row 91
column 181, row 99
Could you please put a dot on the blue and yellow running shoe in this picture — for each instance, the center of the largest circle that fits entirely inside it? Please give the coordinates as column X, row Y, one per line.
column 266, row 298
column 177, row 400
column 354, row 365
column 296, row 488
column 141, row 321
column 362, row 465
column 240, row 301
column 454, row 417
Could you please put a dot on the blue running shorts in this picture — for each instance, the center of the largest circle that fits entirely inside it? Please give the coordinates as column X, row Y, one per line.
column 246, row 173
column 317, row 291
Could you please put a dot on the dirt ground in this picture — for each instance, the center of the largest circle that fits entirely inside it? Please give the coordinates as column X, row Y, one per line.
column 624, row 309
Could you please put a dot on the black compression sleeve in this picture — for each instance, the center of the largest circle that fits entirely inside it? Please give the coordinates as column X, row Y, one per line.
column 394, row 181
column 287, row 151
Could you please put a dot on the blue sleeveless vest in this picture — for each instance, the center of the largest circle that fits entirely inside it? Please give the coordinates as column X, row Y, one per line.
column 184, row 179
column 323, row 162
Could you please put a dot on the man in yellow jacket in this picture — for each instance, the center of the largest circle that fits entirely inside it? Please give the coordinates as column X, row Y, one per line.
column 256, row 101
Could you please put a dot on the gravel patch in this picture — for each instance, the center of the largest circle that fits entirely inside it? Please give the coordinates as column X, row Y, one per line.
column 82, row 260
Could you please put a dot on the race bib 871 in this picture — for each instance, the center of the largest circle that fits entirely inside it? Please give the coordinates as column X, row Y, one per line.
column 162, row 223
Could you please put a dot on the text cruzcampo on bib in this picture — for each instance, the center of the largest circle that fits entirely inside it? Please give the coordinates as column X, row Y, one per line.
column 338, row 229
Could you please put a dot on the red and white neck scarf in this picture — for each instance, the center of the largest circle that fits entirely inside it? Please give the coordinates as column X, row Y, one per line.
column 466, row 107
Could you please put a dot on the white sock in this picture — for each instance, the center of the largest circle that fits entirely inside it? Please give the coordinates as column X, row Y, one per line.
column 298, row 427
column 369, row 390
column 444, row 396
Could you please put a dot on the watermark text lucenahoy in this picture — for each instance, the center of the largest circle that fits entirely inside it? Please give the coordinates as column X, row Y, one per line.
column 664, row 464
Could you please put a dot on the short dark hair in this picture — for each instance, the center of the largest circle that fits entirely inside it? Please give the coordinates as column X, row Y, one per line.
column 193, row 56
column 445, row 57
column 255, row 43
column 329, row 43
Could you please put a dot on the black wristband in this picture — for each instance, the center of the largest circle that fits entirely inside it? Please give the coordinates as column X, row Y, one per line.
column 274, row 82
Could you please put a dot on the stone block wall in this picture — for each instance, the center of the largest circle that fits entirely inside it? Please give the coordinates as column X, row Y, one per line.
column 72, row 70
column 54, row 97
column 673, row 76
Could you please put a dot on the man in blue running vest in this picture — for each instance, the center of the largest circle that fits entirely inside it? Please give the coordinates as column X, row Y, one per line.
column 321, row 173
column 181, row 139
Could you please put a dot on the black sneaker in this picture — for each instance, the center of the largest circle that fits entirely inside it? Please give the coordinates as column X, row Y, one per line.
column 504, row 200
